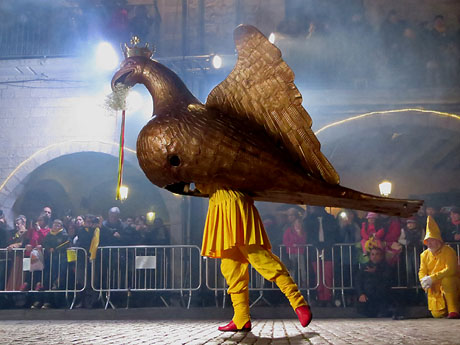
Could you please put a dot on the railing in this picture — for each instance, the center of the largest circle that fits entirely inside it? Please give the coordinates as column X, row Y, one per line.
column 43, row 271
column 344, row 264
column 297, row 265
column 339, row 278
column 162, row 269
column 147, row 268
column 344, row 257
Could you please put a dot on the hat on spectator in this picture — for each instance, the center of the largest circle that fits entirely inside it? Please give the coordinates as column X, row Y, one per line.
column 455, row 209
column 411, row 220
column 372, row 215
column 114, row 210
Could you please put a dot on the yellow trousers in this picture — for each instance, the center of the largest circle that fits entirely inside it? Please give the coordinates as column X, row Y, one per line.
column 234, row 267
column 450, row 289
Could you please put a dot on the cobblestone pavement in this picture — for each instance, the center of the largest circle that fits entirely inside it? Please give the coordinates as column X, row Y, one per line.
column 279, row 332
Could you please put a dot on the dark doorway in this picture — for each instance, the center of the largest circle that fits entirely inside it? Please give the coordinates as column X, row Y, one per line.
column 85, row 182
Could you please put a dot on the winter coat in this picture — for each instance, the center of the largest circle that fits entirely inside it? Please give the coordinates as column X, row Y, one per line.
column 294, row 242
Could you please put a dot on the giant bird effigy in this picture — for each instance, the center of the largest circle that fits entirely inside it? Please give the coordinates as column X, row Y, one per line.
column 252, row 134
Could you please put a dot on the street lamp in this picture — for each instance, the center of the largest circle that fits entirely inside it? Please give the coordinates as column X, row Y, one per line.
column 385, row 188
column 217, row 62
column 123, row 193
column 150, row 217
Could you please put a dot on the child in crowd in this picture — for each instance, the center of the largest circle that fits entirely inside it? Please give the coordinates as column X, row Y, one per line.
column 412, row 239
column 373, row 285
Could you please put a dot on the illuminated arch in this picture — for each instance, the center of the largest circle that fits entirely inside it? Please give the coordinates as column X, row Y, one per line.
column 14, row 184
column 389, row 124
column 56, row 150
column 373, row 114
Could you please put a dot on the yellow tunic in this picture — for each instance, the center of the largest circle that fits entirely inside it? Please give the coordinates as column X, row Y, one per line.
column 232, row 221
column 439, row 266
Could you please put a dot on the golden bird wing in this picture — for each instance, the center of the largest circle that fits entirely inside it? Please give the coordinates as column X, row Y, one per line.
column 261, row 88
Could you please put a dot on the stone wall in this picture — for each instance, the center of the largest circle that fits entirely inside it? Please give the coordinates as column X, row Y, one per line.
column 50, row 108
column 222, row 16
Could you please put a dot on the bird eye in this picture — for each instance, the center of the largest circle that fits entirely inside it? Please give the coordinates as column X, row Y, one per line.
column 174, row 161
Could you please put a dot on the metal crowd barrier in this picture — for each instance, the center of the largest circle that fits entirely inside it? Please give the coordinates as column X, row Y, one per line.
column 456, row 247
column 52, row 272
column 345, row 266
column 294, row 262
column 179, row 269
column 127, row 269
column 344, row 257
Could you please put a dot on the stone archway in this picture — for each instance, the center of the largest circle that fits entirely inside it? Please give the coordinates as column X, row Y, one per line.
column 418, row 150
column 14, row 185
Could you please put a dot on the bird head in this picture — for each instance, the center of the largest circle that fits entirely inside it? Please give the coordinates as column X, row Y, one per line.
column 130, row 72
column 166, row 160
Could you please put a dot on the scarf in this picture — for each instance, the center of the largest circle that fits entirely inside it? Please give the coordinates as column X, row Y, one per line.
column 55, row 232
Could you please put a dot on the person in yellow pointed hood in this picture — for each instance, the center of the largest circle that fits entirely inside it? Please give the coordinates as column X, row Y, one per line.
column 438, row 274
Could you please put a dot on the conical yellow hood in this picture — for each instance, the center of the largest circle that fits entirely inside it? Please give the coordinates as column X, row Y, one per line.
column 432, row 230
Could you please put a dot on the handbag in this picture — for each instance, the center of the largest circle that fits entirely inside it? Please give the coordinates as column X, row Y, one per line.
column 37, row 262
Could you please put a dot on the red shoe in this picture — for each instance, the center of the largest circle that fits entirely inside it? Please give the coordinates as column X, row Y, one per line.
column 231, row 327
column 453, row 315
column 304, row 314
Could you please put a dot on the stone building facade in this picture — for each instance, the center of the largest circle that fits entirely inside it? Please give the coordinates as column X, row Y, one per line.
column 53, row 107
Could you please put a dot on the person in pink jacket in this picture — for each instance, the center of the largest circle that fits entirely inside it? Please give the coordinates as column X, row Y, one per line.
column 38, row 232
column 369, row 229
column 295, row 239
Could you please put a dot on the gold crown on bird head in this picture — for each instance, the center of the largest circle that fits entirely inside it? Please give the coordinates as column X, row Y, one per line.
column 135, row 50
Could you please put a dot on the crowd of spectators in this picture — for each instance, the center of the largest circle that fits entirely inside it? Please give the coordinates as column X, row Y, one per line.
column 396, row 53
column 45, row 241
column 381, row 246
column 71, row 25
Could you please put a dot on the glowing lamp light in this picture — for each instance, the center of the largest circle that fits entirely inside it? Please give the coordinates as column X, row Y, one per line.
column 385, row 188
column 150, row 216
column 343, row 215
column 106, row 57
column 272, row 38
column 217, row 62
column 123, row 193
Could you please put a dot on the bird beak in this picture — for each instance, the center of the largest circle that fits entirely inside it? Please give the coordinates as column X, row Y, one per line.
column 183, row 188
column 122, row 77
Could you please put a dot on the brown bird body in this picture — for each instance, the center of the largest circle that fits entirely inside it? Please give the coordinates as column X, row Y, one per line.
column 252, row 134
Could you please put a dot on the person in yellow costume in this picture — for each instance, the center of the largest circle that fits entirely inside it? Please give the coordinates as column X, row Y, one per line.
column 438, row 274
column 234, row 232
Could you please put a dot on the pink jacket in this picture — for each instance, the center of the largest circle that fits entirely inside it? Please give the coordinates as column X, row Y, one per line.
column 291, row 238
column 367, row 230
column 36, row 236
